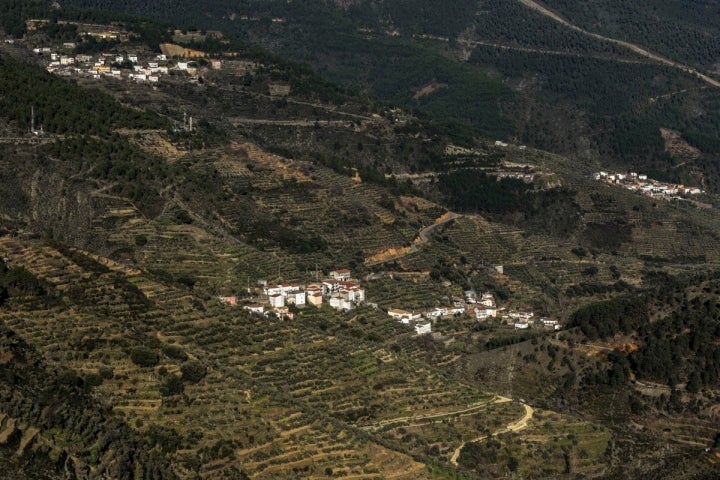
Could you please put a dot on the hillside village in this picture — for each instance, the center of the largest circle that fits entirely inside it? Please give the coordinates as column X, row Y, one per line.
column 341, row 291
column 638, row 182
column 132, row 67
column 117, row 60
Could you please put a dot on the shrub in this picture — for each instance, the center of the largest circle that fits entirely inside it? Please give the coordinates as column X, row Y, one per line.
column 174, row 352
column 144, row 357
column 193, row 371
column 93, row 380
column 141, row 240
column 171, row 386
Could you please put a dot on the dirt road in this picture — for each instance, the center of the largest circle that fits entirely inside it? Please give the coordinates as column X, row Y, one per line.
column 515, row 426
column 406, row 421
column 423, row 237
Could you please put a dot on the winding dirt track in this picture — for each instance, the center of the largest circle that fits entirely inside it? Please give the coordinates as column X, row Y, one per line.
column 630, row 46
column 422, row 238
column 515, row 426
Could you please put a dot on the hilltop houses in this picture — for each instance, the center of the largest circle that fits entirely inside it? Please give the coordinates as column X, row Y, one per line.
column 131, row 66
column 638, row 182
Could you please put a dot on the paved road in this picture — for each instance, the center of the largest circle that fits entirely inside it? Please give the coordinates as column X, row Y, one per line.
column 631, row 46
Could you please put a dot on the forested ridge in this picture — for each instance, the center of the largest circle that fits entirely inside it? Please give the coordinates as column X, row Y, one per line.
column 61, row 107
column 679, row 347
column 566, row 92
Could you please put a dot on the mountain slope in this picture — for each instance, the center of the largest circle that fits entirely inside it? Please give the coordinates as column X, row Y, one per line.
column 127, row 237
column 507, row 71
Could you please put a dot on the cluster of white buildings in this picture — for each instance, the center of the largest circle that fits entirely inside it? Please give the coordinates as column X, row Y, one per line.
column 524, row 321
column 112, row 65
column 481, row 307
column 422, row 321
column 108, row 65
column 339, row 290
column 638, row 182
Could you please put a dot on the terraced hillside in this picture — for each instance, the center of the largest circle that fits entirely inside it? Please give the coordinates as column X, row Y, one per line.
column 116, row 247
column 263, row 403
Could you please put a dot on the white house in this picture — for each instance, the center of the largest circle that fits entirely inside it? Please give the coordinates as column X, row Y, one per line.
column 330, row 285
column 340, row 302
column 482, row 313
column 435, row 312
column 359, row 293
column 296, row 297
column 353, row 291
column 314, row 298
column 554, row 324
column 423, row 328
column 521, row 325
column 487, row 300
column 342, row 274
column 470, row 296
column 522, row 316
column 283, row 313
column 255, row 308
column 272, row 290
column 397, row 313
column 276, row 300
